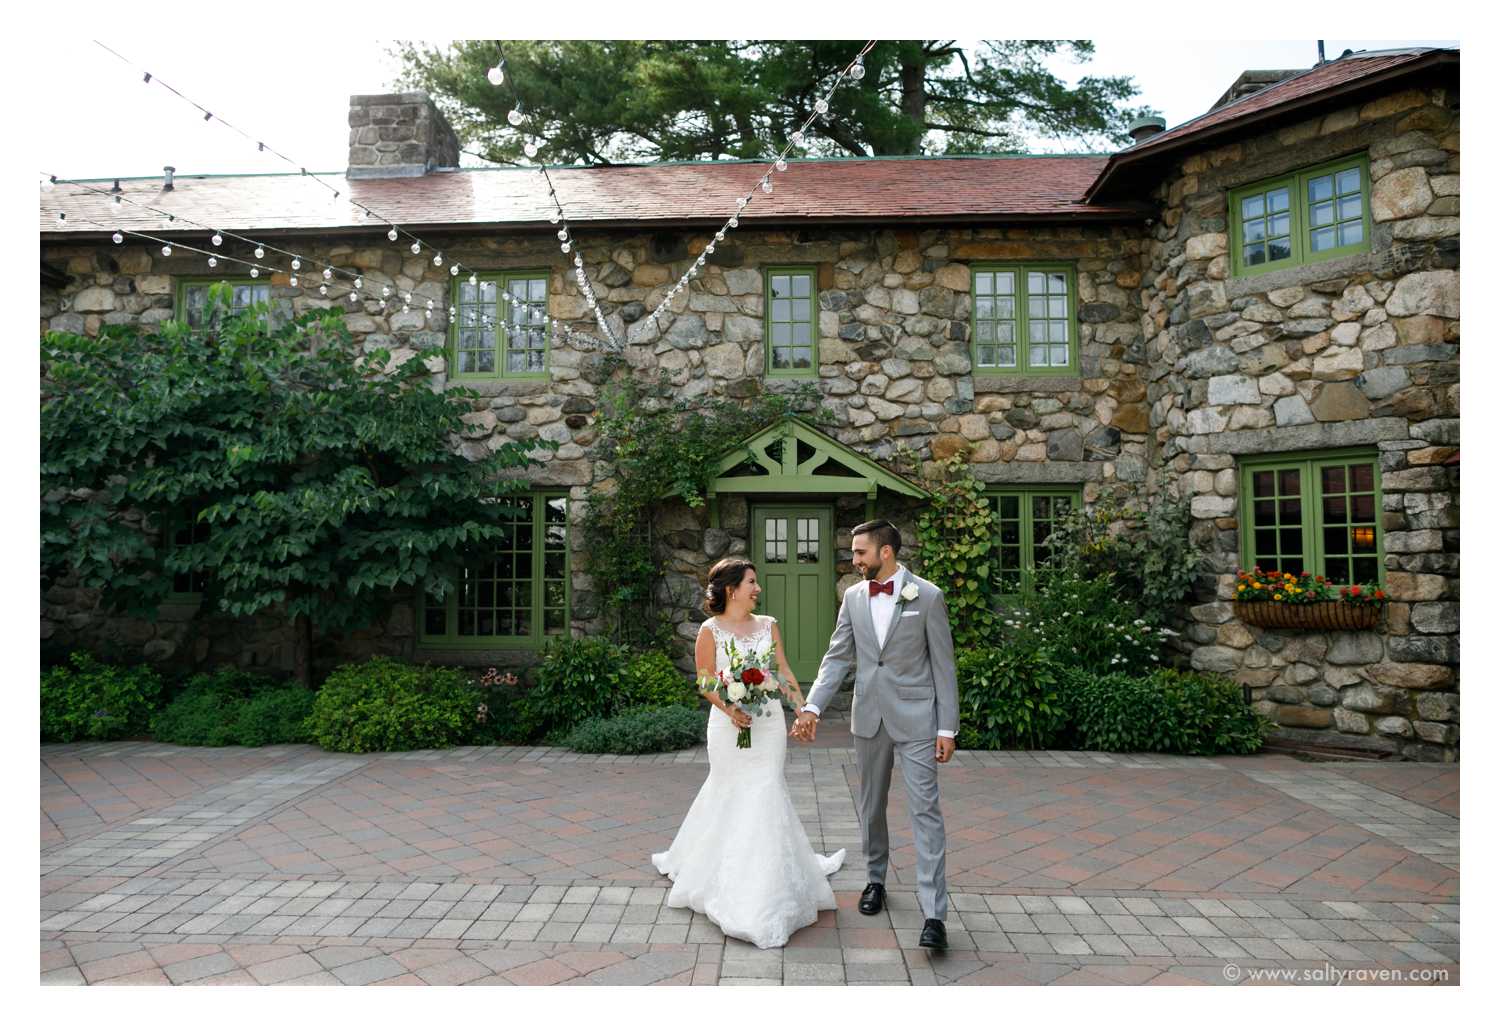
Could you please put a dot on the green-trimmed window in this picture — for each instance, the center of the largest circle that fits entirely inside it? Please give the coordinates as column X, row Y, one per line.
column 791, row 321
column 1023, row 319
column 1026, row 519
column 184, row 529
column 1301, row 218
column 515, row 595
column 1319, row 513
column 192, row 296
column 501, row 328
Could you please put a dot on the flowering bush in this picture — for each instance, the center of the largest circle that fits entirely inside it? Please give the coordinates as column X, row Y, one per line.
column 1080, row 620
column 1259, row 585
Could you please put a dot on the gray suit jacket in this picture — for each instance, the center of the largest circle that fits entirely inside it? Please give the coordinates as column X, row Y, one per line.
column 910, row 684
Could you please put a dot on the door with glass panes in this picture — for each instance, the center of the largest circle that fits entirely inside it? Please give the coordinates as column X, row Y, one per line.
column 794, row 561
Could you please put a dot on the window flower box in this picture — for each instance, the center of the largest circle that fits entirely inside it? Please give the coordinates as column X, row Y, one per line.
column 1274, row 599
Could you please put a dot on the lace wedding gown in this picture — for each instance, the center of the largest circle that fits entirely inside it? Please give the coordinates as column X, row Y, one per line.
column 741, row 856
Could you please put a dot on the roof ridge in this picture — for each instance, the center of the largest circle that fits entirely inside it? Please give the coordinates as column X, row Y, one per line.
column 1260, row 93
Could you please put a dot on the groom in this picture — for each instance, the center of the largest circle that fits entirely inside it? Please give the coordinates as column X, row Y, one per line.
column 894, row 630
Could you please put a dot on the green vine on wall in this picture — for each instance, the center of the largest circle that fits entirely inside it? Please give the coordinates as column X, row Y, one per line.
column 656, row 448
column 956, row 538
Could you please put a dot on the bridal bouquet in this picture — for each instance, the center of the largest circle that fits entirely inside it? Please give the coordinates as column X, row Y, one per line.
column 747, row 681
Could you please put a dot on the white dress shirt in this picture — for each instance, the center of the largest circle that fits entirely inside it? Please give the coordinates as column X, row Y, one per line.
column 882, row 608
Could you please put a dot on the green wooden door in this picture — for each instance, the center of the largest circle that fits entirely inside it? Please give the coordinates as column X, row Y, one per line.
column 794, row 560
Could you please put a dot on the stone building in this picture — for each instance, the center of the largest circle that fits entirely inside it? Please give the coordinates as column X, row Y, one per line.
column 1257, row 309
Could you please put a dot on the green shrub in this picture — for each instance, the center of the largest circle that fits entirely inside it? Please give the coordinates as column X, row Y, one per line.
column 87, row 700
column 1008, row 697
column 652, row 679
column 1167, row 711
column 234, row 707
column 578, row 679
column 640, row 732
column 385, row 706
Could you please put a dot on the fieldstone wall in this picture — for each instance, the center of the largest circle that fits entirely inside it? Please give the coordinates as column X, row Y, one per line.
column 894, row 365
column 1360, row 350
column 1182, row 370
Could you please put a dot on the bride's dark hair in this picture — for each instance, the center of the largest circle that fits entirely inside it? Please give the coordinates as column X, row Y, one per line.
column 726, row 573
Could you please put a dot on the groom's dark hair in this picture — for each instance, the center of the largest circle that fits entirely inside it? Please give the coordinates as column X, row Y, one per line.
column 882, row 532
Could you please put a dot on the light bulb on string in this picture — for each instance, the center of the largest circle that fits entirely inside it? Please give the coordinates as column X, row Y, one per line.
column 437, row 260
column 742, row 202
column 857, row 72
column 391, row 234
column 515, row 117
column 408, row 299
column 359, row 281
column 166, row 251
column 567, row 247
column 734, row 222
column 328, row 274
column 293, row 281
column 260, row 252
column 385, row 290
column 821, row 106
column 296, row 264
column 453, row 271
column 709, row 248
column 562, row 235
column 474, row 278
column 416, row 247
column 765, row 184
column 719, row 235
column 798, row 139
column 255, row 272
column 496, row 75
column 213, row 261
column 118, row 238
column 531, row 149
column 781, row 163
column 555, row 216
column 217, row 240
column 322, row 290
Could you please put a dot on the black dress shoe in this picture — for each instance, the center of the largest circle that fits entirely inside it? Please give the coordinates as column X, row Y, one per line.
column 934, row 935
column 873, row 899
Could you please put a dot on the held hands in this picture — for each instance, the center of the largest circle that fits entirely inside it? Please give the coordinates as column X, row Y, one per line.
column 739, row 716
column 806, row 727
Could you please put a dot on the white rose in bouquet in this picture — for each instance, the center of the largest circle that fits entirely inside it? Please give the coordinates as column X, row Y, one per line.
column 737, row 691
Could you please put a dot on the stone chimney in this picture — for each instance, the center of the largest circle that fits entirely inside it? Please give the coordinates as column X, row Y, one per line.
column 398, row 135
column 1253, row 82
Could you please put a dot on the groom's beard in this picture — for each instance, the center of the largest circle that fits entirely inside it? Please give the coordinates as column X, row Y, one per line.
column 872, row 573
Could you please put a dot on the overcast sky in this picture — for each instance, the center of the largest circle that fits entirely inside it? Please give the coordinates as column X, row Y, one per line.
column 304, row 117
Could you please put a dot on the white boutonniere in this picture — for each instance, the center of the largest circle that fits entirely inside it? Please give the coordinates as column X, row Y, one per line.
column 909, row 593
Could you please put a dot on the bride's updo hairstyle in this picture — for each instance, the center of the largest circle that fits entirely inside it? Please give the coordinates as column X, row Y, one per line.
column 727, row 573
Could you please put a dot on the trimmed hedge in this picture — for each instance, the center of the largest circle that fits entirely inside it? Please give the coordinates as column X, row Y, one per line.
column 1168, row 711
column 652, row 679
column 640, row 732
column 233, row 707
column 87, row 700
column 386, row 706
column 1009, row 697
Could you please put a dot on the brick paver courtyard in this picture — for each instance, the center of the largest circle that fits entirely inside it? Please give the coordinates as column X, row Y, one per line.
column 532, row 866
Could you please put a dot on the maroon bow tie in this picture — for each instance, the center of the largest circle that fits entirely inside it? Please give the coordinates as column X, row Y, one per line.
column 888, row 588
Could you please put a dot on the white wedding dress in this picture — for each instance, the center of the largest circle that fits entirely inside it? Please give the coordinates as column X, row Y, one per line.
column 741, row 856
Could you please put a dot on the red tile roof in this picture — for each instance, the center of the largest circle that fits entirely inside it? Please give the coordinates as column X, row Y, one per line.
column 1312, row 85
column 890, row 189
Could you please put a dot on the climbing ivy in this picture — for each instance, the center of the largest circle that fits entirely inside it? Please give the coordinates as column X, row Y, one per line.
column 656, row 447
column 956, row 536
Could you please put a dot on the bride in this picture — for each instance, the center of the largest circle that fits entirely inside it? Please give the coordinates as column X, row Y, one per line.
column 741, row 856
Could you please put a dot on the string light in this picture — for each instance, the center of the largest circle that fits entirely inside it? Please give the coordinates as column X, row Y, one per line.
column 260, row 145
column 496, row 75
column 217, row 240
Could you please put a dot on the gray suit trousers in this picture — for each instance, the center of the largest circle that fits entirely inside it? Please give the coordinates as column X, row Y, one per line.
column 876, row 756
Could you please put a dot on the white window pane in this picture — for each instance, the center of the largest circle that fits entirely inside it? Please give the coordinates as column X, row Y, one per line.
column 1351, row 233
column 1320, row 188
column 1005, row 331
column 1005, row 308
column 1279, row 199
column 984, row 282
column 1057, row 331
column 986, row 331
column 1036, row 306
column 1036, row 283
column 781, row 309
column 1057, row 283
column 802, row 334
column 1057, row 306
column 986, row 356
column 1348, row 181
column 1006, row 356
column 1350, row 207
column 1254, row 231
column 1322, row 213
column 538, row 288
column 780, row 285
column 1059, row 356
column 1005, row 283
column 1322, row 239
column 1279, row 249
column 1281, row 224
column 801, row 309
column 781, row 334
column 801, row 286
column 984, row 307
column 1252, row 206
column 1039, row 356
column 1036, row 331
